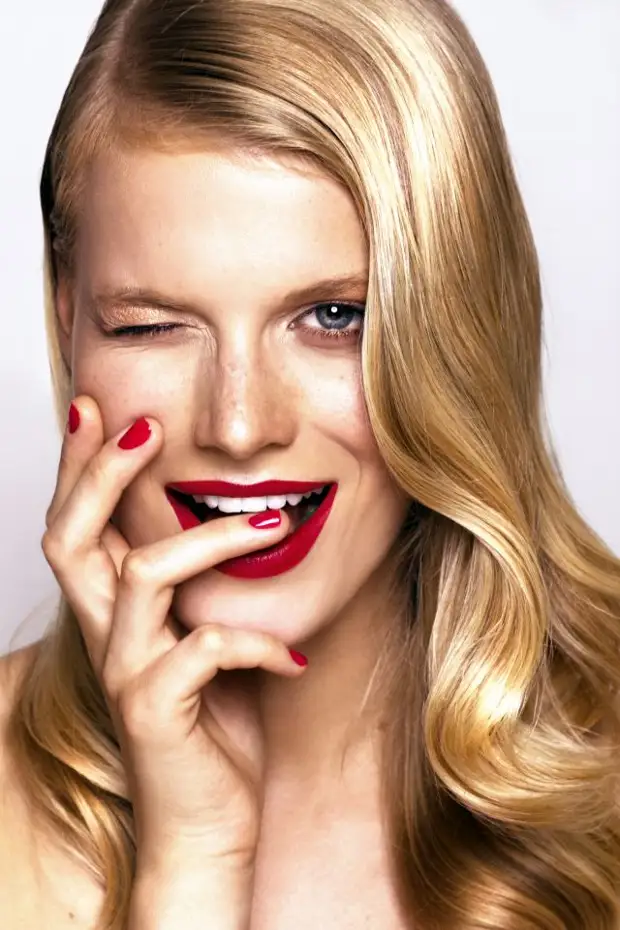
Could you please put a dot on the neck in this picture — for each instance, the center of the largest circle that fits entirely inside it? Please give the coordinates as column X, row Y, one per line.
column 321, row 731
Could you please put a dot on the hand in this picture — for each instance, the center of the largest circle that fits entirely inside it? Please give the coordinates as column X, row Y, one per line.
column 191, row 785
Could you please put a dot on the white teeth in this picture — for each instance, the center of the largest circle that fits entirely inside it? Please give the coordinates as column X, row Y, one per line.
column 229, row 504
column 276, row 502
column 253, row 504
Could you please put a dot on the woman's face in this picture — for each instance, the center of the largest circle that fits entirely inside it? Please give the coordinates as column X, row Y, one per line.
column 250, row 382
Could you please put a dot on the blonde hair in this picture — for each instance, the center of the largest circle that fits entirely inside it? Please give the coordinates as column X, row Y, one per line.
column 501, row 675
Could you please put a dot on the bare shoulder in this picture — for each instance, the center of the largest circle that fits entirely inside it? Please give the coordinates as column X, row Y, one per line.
column 35, row 878
column 14, row 666
column 15, row 881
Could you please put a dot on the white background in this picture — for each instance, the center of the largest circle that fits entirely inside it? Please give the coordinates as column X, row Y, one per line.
column 556, row 68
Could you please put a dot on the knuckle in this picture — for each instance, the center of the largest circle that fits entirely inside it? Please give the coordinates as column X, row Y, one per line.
column 136, row 569
column 212, row 638
column 51, row 546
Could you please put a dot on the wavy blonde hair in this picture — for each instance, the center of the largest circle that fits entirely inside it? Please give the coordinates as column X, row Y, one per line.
column 501, row 675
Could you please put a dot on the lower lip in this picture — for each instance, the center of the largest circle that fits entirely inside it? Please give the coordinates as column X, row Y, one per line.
column 275, row 560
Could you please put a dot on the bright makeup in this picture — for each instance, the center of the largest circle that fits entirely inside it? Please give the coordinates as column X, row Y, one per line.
column 308, row 516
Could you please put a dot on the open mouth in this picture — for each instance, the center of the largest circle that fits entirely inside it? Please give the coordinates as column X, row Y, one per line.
column 298, row 507
column 307, row 505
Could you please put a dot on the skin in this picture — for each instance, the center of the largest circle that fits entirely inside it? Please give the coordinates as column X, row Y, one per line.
column 245, row 393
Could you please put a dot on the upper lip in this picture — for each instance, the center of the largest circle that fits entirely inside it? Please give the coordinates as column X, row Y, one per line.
column 229, row 489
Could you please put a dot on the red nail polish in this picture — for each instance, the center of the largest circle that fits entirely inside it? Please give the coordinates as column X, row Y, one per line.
column 266, row 520
column 298, row 657
column 136, row 435
column 74, row 418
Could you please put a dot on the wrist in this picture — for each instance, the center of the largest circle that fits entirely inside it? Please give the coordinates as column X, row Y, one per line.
column 207, row 899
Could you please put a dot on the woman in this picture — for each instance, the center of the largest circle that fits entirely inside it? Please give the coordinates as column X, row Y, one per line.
column 335, row 647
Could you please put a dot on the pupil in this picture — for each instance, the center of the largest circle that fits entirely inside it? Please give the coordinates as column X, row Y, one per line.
column 336, row 317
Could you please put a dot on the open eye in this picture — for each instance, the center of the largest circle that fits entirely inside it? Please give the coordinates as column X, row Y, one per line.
column 334, row 319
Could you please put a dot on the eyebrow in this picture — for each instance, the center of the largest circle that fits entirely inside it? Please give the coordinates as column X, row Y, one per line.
column 337, row 286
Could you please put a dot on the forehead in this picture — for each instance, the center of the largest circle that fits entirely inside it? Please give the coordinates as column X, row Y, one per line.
column 213, row 216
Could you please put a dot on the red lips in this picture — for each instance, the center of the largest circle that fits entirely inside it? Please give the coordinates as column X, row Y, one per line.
column 276, row 559
column 262, row 488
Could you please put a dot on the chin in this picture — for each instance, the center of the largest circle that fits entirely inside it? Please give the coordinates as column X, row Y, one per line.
column 294, row 607
column 291, row 612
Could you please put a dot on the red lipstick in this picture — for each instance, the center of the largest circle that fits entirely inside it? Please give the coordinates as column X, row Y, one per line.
column 275, row 560
column 228, row 489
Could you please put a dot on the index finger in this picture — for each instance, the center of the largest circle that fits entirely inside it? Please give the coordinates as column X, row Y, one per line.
column 83, row 436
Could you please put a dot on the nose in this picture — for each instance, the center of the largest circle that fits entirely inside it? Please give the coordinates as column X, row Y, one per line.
column 246, row 404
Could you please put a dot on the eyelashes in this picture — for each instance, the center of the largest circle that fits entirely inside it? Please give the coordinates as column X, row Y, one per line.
column 153, row 329
column 340, row 314
column 324, row 314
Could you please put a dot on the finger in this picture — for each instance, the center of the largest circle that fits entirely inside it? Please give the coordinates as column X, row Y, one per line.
column 83, row 437
column 72, row 543
column 158, row 702
column 150, row 574
column 116, row 546
column 85, row 513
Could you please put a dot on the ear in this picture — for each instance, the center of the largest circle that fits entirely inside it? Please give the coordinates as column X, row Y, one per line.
column 65, row 313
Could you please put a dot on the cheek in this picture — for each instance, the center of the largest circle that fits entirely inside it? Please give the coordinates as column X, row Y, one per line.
column 127, row 386
column 335, row 403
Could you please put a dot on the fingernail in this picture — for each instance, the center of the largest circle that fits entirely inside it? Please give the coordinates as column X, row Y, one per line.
column 298, row 657
column 136, row 435
column 74, row 418
column 266, row 520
